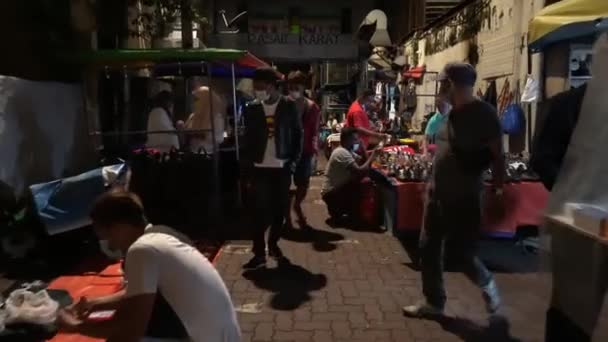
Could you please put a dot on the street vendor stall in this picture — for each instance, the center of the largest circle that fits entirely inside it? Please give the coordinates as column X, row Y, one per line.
column 181, row 183
column 575, row 238
column 402, row 175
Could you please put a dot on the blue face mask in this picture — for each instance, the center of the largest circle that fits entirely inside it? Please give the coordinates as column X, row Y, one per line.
column 356, row 147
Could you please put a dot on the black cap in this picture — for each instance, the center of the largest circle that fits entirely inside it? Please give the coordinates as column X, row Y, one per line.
column 462, row 74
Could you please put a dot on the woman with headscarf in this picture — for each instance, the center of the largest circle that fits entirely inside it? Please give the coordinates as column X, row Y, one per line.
column 206, row 102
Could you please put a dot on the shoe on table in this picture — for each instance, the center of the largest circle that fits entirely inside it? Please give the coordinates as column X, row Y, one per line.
column 422, row 310
column 491, row 297
column 255, row 262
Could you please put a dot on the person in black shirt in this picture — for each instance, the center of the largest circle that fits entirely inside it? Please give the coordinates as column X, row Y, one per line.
column 469, row 142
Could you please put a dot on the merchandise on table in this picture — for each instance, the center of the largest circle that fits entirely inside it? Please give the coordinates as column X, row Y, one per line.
column 404, row 166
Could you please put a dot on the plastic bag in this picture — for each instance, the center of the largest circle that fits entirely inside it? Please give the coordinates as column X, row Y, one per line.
column 513, row 120
column 530, row 93
column 24, row 306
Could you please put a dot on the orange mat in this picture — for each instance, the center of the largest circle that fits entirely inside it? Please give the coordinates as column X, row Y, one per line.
column 103, row 283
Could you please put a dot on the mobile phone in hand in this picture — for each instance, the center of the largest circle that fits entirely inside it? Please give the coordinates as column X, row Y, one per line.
column 101, row 315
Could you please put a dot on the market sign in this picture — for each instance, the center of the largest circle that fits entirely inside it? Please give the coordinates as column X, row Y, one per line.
column 320, row 39
column 302, row 39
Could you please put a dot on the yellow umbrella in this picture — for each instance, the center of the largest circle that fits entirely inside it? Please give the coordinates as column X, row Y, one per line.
column 567, row 19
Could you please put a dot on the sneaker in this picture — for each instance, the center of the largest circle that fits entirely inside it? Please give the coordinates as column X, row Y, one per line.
column 422, row 310
column 491, row 297
column 255, row 262
column 275, row 252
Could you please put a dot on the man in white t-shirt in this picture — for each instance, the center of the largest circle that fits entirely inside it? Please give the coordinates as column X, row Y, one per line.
column 159, row 119
column 159, row 264
column 273, row 142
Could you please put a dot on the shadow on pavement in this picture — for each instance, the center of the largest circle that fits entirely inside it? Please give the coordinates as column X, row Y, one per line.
column 496, row 331
column 322, row 240
column 500, row 256
column 291, row 284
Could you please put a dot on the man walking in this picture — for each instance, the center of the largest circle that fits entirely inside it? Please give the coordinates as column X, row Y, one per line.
column 310, row 115
column 469, row 143
column 273, row 139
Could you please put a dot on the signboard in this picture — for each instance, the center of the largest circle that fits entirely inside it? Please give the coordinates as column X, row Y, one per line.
column 310, row 32
column 302, row 39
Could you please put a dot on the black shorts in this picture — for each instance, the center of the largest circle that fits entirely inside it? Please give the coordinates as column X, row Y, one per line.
column 301, row 177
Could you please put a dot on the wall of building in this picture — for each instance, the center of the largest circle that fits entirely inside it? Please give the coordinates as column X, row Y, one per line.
column 502, row 56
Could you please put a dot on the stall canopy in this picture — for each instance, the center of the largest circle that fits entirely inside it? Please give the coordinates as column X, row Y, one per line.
column 567, row 19
column 175, row 61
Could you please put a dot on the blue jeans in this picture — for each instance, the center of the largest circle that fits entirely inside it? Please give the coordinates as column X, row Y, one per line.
column 459, row 221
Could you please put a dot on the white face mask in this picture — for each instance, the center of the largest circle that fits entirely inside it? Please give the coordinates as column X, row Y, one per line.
column 447, row 108
column 109, row 252
column 262, row 95
column 295, row 94
column 356, row 147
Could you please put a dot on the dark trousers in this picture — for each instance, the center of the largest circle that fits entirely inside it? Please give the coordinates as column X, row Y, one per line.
column 343, row 200
column 560, row 327
column 271, row 201
column 459, row 221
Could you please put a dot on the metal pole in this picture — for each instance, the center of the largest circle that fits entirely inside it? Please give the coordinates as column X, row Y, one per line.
column 216, row 205
column 236, row 135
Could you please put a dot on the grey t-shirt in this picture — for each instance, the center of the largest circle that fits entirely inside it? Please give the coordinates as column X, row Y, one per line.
column 338, row 171
column 472, row 128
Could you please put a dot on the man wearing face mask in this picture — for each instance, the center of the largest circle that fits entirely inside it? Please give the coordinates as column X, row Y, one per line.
column 436, row 121
column 310, row 115
column 358, row 118
column 468, row 143
column 342, row 176
column 273, row 142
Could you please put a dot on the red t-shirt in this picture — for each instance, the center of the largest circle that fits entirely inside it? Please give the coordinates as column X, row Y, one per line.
column 357, row 117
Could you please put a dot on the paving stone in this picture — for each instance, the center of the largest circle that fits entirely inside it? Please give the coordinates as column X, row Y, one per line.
column 354, row 291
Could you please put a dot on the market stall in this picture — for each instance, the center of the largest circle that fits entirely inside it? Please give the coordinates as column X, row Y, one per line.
column 176, row 185
column 575, row 230
column 401, row 177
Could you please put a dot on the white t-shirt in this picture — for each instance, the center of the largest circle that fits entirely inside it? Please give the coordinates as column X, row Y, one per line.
column 270, row 155
column 338, row 170
column 159, row 120
column 163, row 261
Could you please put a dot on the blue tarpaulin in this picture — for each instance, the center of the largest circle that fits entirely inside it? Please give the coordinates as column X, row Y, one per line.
column 65, row 204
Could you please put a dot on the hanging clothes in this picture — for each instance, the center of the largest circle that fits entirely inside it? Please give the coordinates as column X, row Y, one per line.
column 491, row 95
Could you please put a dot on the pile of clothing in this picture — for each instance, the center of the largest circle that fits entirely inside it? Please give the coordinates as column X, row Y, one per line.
column 517, row 169
column 29, row 312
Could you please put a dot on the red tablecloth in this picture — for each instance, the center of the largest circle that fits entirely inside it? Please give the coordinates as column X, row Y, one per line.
column 524, row 203
column 103, row 283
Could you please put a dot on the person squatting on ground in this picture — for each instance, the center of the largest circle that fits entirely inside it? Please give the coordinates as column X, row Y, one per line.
column 343, row 175
column 468, row 142
column 273, row 138
column 172, row 290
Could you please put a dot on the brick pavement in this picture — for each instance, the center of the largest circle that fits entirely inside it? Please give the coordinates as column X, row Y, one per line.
column 350, row 286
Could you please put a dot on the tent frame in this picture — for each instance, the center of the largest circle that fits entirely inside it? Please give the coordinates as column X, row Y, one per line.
column 140, row 59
